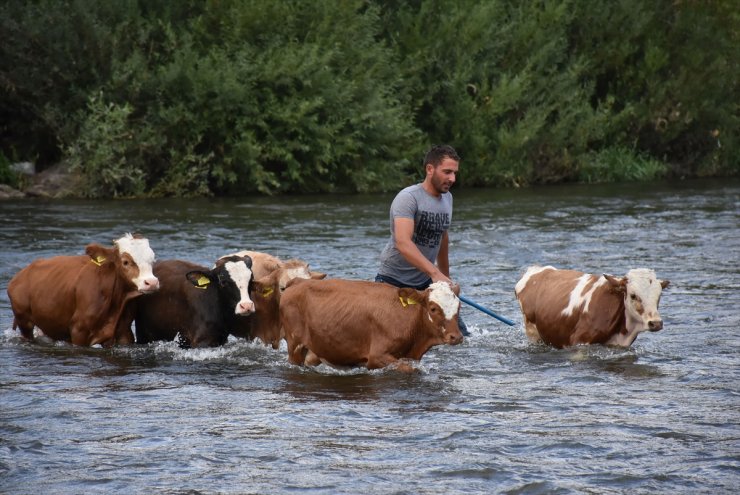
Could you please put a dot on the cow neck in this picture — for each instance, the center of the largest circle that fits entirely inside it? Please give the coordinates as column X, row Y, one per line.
column 106, row 272
column 421, row 339
column 629, row 327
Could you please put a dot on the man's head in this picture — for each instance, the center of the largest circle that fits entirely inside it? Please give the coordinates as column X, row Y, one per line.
column 441, row 164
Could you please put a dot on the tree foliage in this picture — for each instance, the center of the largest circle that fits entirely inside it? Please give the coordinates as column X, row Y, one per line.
column 193, row 98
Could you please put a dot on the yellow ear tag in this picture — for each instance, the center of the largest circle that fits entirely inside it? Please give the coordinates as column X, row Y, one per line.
column 203, row 282
column 98, row 260
column 407, row 302
column 267, row 292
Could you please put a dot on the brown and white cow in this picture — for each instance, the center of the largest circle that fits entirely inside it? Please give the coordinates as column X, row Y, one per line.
column 271, row 275
column 567, row 307
column 198, row 303
column 359, row 323
column 84, row 299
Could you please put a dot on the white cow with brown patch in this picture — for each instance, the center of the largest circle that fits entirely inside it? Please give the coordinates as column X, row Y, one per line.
column 566, row 307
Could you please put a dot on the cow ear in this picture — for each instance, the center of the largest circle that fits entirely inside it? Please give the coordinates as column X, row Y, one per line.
column 99, row 254
column 199, row 279
column 664, row 283
column 407, row 295
column 263, row 288
column 617, row 284
column 318, row 275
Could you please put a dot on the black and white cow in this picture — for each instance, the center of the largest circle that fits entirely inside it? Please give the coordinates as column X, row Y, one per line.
column 198, row 303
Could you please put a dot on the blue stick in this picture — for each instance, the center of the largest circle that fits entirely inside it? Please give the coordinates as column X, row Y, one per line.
column 486, row 310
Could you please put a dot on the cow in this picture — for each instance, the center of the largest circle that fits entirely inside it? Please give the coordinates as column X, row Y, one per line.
column 198, row 303
column 358, row 323
column 85, row 299
column 564, row 308
column 263, row 264
column 271, row 275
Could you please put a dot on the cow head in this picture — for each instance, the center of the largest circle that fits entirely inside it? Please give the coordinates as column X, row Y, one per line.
column 641, row 290
column 293, row 269
column 133, row 259
column 232, row 276
column 266, row 321
column 441, row 306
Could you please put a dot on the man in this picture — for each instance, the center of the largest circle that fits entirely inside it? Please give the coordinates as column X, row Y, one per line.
column 420, row 217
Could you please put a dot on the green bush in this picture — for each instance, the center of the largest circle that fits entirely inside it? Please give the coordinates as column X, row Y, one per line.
column 308, row 104
column 103, row 152
column 618, row 164
column 195, row 98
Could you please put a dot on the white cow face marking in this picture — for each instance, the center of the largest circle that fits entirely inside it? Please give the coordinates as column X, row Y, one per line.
column 138, row 250
column 442, row 294
column 641, row 299
column 291, row 273
column 241, row 275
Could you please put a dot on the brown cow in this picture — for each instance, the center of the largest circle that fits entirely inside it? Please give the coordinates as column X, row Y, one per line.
column 84, row 299
column 566, row 307
column 358, row 323
column 271, row 275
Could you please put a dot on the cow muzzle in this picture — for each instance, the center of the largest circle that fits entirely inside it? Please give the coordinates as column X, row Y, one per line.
column 244, row 308
column 148, row 285
column 655, row 325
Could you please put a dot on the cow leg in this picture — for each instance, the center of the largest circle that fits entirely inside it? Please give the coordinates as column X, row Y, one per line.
column 25, row 326
column 530, row 329
column 405, row 367
column 79, row 337
column 297, row 355
column 380, row 361
column 311, row 359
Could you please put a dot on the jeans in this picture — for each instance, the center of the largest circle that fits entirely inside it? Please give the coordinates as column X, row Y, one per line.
column 396, row 283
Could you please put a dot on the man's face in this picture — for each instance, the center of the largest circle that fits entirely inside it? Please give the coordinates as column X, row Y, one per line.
column 444, row 175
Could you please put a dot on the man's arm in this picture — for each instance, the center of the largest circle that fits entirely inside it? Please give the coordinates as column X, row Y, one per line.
column 404, row 231
column 443, row 259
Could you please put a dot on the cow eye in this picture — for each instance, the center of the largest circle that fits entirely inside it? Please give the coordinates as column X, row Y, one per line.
column 633, row 296
column 125, row 262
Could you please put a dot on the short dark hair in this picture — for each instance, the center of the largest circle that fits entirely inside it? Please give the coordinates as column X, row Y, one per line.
column 439, row 152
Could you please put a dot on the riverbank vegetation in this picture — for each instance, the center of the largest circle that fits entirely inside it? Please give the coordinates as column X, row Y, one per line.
column 231, row 97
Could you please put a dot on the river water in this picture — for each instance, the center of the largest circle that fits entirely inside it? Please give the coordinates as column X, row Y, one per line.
column 493, row 415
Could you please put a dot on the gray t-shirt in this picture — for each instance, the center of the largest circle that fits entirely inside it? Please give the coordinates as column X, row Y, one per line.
column 432, row 217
